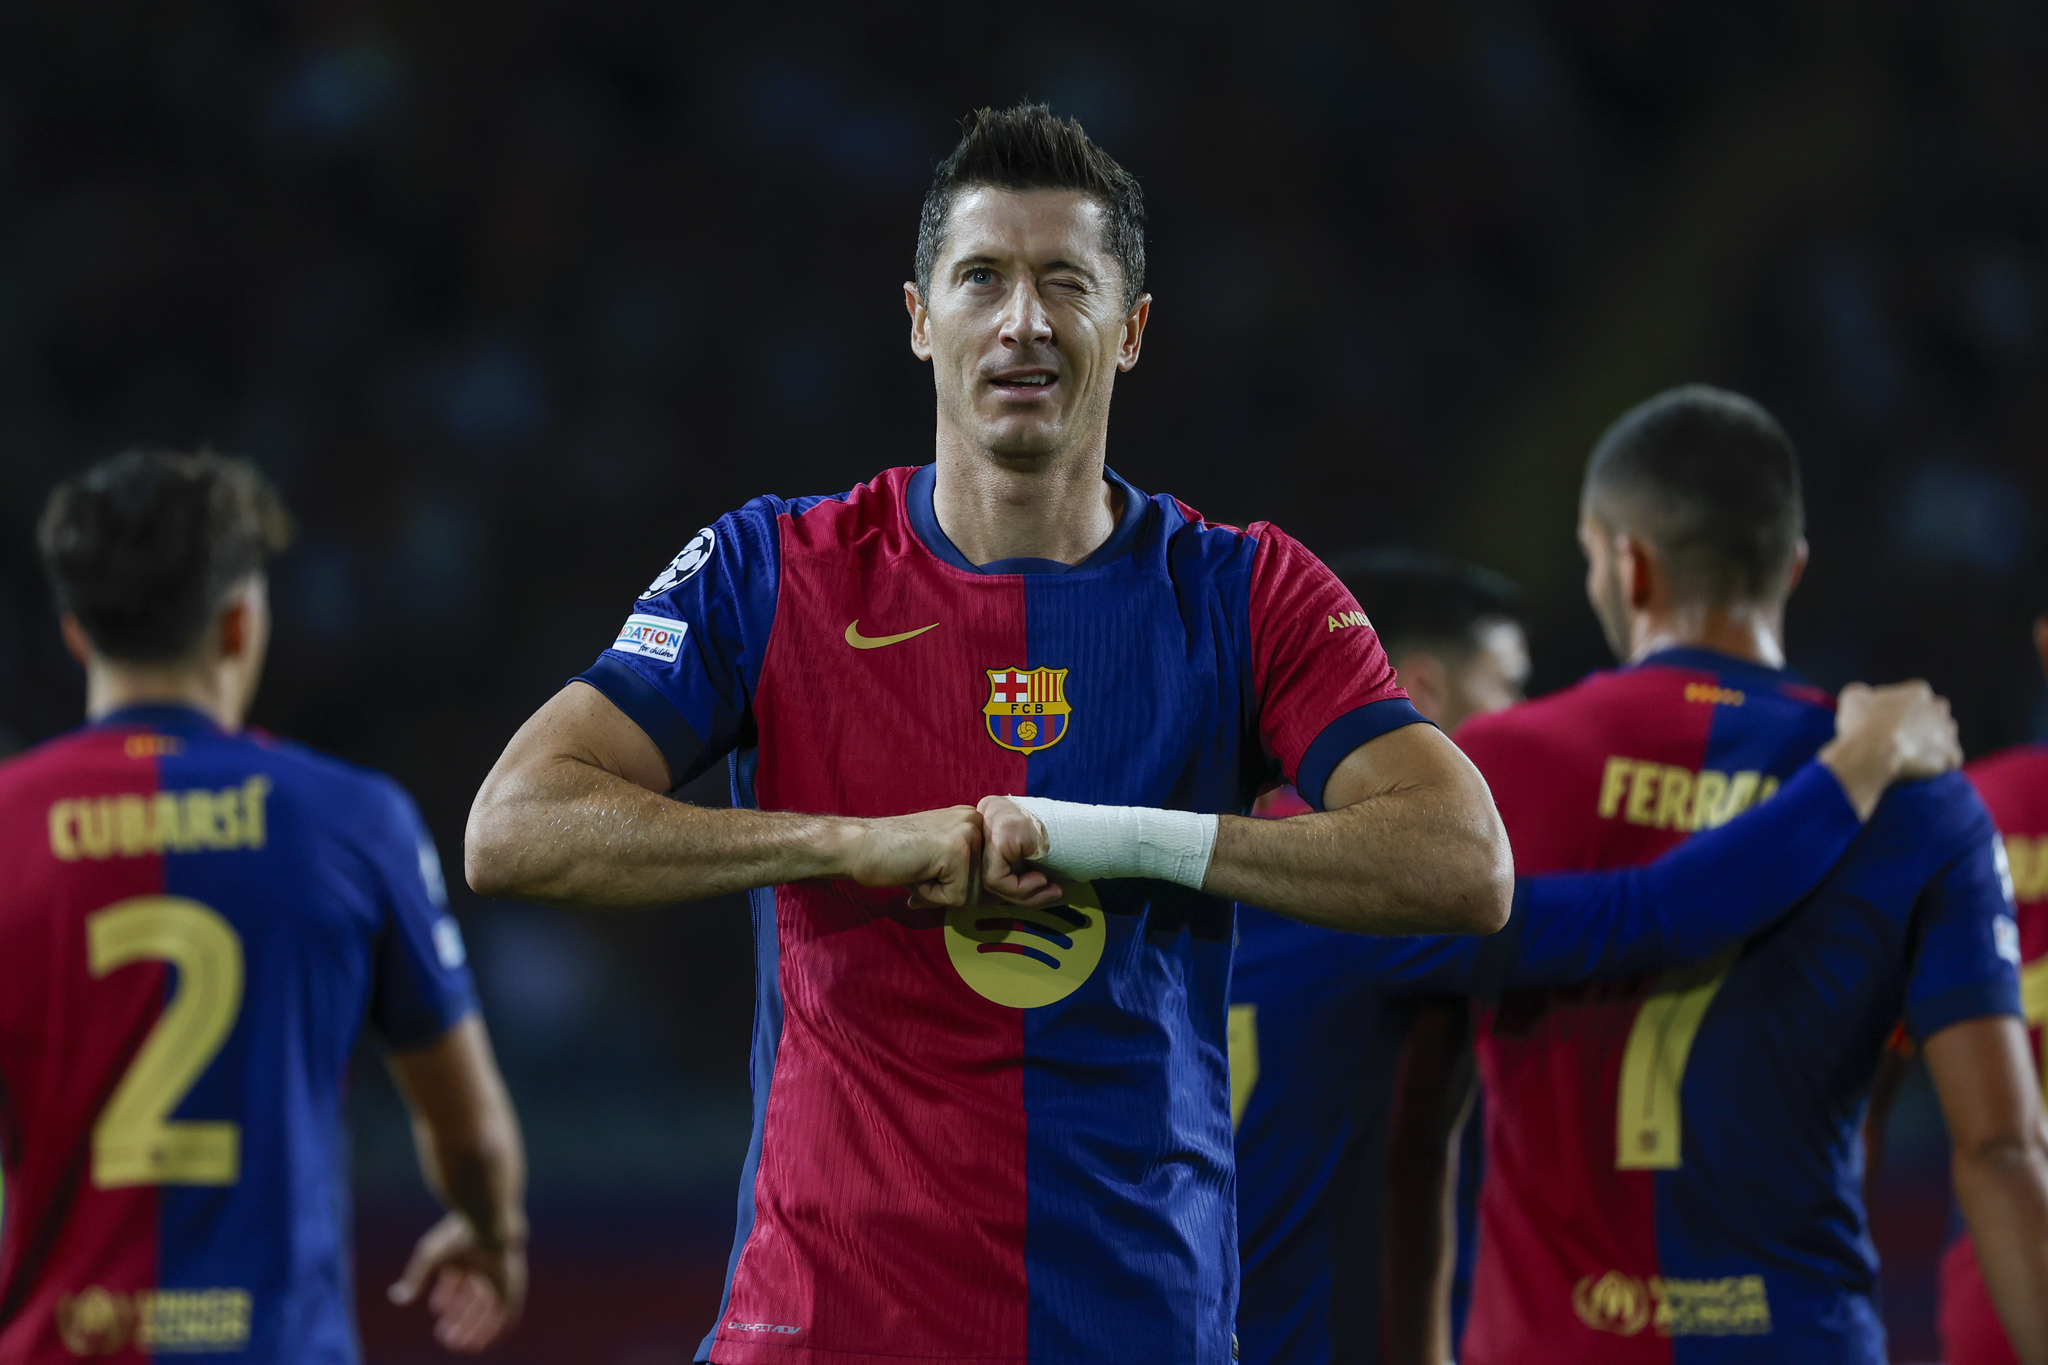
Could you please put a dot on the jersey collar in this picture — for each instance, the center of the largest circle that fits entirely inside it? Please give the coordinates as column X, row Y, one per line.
column 1714, row 661
column 162, row 715
column 924, row 519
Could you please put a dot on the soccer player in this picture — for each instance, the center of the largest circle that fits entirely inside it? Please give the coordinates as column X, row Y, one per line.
column 1315, row 1043
column 992, row 1118
column 1317, row 1018
column 196, row 922
column 1673, row 1171
column 2014, row 784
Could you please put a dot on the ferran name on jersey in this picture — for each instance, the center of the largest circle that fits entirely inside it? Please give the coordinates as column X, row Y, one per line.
column 1027, row 708
column 1027, row 958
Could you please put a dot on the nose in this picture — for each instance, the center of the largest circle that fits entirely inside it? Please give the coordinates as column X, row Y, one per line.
column 1024, row 322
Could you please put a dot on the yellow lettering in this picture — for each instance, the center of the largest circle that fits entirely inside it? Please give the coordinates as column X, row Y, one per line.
column 169, row 831
column 1613, row 783
column 63, row 830
column 1741, row 796
column 1333, row 623
column 1766, row 790
column 253, row 792
column 227, row 809
column 131, row 826
column 202, row 821
column 1708, row 794
column 96, row 827
column 1642, row 793
column 2029, row 862
column 1671, row 798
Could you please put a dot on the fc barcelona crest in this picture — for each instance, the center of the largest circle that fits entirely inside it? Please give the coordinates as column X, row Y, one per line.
column 1027, row 708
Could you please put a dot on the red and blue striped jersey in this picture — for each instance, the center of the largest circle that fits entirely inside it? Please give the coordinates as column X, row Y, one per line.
column 2014, row 784
column 1673, row 1167
column 194, row 929
column 991, row 1134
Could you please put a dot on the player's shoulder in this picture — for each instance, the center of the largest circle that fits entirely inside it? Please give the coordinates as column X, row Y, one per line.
column 2015, row 777
column 1942, row 815
column 349, row 792
column 1558, row 722
column 59, row 761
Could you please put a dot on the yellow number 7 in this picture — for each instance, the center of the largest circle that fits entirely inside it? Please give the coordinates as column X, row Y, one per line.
column 134, row 1142
column 2034, row 1004
column 1647, row 1123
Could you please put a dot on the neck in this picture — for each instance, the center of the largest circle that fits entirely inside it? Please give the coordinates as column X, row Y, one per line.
column 112, row 687
column 1004, row 507
column 1755, row 633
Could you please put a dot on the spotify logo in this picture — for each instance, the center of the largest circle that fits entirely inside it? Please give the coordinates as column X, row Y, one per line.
column 1027, row 958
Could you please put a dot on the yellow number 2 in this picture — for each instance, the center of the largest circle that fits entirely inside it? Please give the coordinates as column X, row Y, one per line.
column 135, row 1143
column 1647, row 1125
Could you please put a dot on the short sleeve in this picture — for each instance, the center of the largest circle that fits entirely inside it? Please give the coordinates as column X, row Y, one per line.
column 423, row 987
column 686, row 661
column 1966, row 964
column 1323, row 682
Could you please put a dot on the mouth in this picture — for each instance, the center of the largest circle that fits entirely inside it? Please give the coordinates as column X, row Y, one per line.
column 1023, row 385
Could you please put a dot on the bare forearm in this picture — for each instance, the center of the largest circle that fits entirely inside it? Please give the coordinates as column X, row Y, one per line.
column 1413, row 861
column 466, row 1131
column 481, row 1176
column 2003, row 1190
column 565, row 832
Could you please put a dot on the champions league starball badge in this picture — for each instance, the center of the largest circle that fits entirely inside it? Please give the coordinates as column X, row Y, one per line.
column 695, row 556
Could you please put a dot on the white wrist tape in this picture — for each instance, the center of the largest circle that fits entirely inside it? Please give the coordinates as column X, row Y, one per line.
column 1087, row 842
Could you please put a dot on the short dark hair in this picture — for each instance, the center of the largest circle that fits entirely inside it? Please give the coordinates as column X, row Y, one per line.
column 1416, row 600
column 1711, row 481
column 1028, row 147
column 145, row 546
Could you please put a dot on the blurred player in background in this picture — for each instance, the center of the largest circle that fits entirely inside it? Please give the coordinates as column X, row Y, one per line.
column 2014, row 784
column 1672, row 1169
column 993, row 1123
column 1315, row 1044
column 1317, row 1018
column 196, row 922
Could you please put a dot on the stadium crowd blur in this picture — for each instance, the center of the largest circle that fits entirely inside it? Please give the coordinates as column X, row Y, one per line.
column 511, row 298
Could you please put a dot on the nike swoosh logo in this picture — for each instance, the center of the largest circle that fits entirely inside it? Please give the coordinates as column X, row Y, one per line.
column 860, row 641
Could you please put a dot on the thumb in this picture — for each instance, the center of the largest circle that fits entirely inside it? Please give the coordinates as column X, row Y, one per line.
column 427, row 1257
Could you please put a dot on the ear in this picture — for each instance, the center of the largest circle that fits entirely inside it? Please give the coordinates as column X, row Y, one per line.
column 2041, row 640
column 920, row 322
column 1134, row 333
column 1798, row 566
column 237, row 628
column 1638, row 569
column 75, row 643
column 1427, row 681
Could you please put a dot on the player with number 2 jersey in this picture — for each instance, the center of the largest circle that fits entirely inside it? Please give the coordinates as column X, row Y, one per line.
column 197, row 922
column 212, row 920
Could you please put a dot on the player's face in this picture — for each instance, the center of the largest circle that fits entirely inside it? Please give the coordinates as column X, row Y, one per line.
column 1604, row 588
column 1026, row 326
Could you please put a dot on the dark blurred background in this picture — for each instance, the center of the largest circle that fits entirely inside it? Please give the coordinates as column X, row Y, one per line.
column 510, row 298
